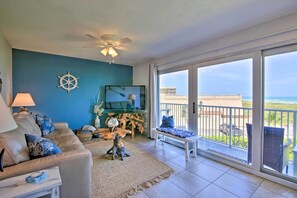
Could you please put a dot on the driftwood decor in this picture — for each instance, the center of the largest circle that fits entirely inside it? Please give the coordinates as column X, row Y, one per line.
column 105, row 134
column 130, row 121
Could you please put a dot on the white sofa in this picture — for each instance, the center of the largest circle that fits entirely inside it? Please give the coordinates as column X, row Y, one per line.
column 74, row 163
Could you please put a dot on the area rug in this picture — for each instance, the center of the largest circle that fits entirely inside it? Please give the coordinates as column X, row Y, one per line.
column 116, row 178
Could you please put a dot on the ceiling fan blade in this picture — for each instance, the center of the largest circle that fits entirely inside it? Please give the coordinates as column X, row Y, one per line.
column 94, row 46
column 91, row 36
column 123, row 41
column 121, row 48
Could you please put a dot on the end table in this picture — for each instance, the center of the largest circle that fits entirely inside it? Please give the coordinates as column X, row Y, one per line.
column 17, row 186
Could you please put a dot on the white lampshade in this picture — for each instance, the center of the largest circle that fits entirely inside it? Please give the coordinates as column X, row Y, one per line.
column 23, row 100
column 132, row 97
column 7, row 122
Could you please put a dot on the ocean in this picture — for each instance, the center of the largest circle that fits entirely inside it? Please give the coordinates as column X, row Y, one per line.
column 286, row 100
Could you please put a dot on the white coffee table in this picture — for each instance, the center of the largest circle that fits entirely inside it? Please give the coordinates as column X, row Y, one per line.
column 17, row 186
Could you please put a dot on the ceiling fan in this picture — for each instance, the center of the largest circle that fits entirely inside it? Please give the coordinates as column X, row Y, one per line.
column 110, row 44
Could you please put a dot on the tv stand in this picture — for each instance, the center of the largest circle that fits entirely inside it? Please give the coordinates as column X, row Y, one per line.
column 134, row 120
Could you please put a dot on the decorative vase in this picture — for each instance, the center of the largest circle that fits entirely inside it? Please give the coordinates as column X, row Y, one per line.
column 97, row 122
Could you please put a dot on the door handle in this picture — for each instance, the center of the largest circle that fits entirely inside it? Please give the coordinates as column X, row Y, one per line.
column 194, row 107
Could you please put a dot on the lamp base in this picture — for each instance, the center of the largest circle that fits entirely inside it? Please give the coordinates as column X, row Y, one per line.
column 1, row 160
column 23, row 109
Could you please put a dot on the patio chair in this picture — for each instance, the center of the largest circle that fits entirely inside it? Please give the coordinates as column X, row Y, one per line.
column 276, row 153
column 225, row 129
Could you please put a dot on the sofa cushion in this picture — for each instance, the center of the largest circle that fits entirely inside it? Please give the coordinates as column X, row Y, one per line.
column 26, row 123
column 16, row 150
column 41, row 147
column 46, row 125
column 65, row 139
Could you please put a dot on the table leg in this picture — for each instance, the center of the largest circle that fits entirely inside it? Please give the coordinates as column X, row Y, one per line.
column 195, row 148
column 132, row 133
column 55, row 192
column 187, row 150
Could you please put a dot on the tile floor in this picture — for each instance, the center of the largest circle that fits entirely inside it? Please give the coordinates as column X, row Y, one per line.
column 201, row 177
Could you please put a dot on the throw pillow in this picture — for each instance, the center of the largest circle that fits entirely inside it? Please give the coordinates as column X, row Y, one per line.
column 40, row 147
column 167, row 122
column 46, row 125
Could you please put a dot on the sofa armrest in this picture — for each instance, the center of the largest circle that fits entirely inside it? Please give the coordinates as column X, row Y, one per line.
column 61, row 125
column 75, row 170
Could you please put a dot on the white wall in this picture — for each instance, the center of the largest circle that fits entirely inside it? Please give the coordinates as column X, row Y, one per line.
column 141, row 77
column 6, row 69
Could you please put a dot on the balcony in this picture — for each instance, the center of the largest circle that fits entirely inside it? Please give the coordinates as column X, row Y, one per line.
column 223, row 129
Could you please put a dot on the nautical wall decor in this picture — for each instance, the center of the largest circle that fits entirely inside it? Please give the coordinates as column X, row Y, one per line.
column 68, row 82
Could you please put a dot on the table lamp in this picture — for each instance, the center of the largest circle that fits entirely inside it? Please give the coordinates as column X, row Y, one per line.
column 132, row 97
column 7, row 123
column 23, row 100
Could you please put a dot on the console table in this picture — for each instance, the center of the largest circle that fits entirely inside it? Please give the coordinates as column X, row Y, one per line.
column 17, row 186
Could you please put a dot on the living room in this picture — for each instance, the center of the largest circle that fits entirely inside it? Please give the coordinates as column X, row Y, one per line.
column 204, row 64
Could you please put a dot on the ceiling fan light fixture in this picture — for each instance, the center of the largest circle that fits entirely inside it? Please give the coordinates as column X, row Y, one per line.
column 104, row 51
column 114, row 55
column 112, row 52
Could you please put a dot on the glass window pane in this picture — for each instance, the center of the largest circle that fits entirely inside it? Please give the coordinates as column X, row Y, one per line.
column 280, row 110
column 224, row 108
column 174, row 97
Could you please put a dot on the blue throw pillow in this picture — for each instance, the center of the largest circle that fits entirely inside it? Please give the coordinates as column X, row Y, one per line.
column 46, row 125
column 40, row 147
column 167, row 122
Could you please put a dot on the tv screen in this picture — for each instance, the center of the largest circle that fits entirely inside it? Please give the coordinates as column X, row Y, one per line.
column 125, row 97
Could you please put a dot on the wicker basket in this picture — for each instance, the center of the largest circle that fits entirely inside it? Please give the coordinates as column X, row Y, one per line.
column 84, row 135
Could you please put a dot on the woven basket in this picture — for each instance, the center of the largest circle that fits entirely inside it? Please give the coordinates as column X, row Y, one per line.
column 84, row 135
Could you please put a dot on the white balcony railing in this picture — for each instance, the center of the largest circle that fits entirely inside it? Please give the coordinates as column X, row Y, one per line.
column 227, row 125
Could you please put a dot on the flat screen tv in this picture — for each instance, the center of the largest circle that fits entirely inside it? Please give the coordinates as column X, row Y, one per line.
column 125, row 97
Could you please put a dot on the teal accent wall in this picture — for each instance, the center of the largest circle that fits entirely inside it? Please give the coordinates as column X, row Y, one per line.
column 37, row 73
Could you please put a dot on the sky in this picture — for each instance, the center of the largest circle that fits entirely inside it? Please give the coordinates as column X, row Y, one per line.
column 236, row 78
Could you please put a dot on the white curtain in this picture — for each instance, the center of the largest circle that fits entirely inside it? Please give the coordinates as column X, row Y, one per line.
column 154, row 98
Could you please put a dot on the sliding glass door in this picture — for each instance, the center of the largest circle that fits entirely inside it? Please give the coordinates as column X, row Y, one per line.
column 215, row 101
column 225, row 108
column 244, row 107
column 280, row 111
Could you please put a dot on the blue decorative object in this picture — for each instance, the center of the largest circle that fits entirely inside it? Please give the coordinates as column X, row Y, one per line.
column 177, row 132
column 37, row 179
column 46, row 125
column 41, row 147
column 167, row 122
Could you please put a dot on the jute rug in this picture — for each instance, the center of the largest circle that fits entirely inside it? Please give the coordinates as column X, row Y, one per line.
column 116, row 178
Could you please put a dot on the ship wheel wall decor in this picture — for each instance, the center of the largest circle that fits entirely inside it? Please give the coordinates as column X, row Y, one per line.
column 68, row 82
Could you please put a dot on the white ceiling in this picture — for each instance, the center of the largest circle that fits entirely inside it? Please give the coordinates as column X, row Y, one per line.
column 156, row 27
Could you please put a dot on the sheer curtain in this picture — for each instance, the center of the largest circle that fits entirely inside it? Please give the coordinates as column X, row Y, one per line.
column 154, row 97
